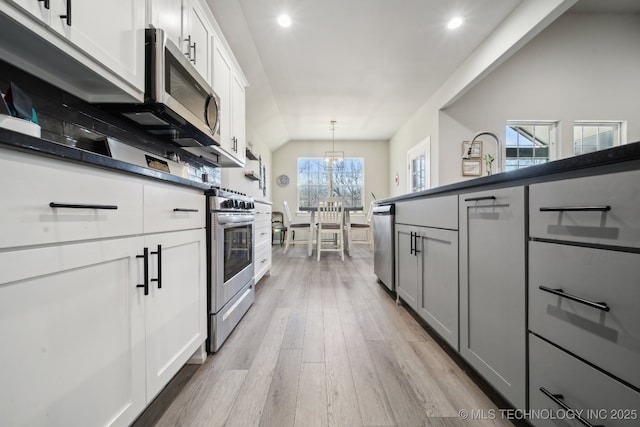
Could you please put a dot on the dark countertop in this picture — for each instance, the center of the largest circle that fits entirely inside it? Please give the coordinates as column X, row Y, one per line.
column 17, row 141
column 616, row 159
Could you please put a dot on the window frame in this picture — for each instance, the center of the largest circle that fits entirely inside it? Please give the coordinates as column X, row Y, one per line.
column 619, row 140
column 327, row 185
column 554, row 133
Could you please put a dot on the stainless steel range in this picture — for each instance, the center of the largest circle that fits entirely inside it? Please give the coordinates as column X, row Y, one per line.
column 230, row 266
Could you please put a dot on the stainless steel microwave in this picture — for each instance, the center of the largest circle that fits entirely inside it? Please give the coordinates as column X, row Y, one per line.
column 179, row 104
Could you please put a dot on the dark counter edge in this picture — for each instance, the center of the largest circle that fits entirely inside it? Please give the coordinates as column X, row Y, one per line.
column 38, row 146
column 623, row 157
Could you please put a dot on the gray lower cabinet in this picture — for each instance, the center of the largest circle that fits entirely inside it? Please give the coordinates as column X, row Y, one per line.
column 406, row 265
column 427, row 276
column 493, row 288
column 562, row 388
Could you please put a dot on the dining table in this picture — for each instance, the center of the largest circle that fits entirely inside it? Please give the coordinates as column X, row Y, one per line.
column 347, row 222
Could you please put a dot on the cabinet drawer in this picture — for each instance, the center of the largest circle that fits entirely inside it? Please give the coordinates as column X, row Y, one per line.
column 437, row 212
column 31, row 183
column 262, row 257
column 263, row 235
column 609, row 339
column 619, row 225
column 598, row 398
column 169, row 208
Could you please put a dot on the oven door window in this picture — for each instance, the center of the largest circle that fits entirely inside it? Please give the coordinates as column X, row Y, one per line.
column 238, row 249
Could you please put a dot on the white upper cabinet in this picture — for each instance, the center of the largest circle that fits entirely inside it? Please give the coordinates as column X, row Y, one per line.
column 40, row 10
column 222, row 87
column 111, row 32
column 188, row 24
column 238, row 116
column 198, row 37
column 167, row 15
column 229, row 85
column 105, row 41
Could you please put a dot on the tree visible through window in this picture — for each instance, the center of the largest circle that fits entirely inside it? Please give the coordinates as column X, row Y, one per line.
column 528, row 143
column 317, row 179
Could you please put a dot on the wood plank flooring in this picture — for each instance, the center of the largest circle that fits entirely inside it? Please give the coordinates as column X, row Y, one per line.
column 323, row 345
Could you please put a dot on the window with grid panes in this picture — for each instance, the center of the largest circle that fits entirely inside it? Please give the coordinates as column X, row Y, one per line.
column 317, row 179
column 594, row 136
column 528, row 144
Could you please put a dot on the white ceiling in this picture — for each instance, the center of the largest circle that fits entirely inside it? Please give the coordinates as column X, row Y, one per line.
column 368, row 64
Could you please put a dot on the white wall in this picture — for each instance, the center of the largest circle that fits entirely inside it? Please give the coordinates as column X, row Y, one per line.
column 526, row 21
column 376, row 168
column 582, row 67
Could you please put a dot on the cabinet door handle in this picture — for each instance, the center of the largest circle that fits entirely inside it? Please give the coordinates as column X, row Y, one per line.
column 46, row 3
column 477, row 199
column 599, row 305
column 159, row 254
column 68, row 14
column 184, row 210
column 415, row 245
column 412, row 249
column 193, row 46
column 81, row 206
column 605, row 208
column 145, row 285
column 557, row 399
column 188, row 52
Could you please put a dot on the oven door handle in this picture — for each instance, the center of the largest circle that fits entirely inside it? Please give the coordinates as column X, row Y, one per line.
column 233, row 221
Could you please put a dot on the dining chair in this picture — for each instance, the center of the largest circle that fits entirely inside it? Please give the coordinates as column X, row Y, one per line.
column 292, row 227
column 278, row 227
column 330, row 221
column 365, row 227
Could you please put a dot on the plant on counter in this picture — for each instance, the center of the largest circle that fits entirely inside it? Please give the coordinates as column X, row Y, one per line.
column 488, row 162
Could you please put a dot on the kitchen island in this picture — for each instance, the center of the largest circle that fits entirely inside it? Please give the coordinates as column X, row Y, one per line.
column 526, row 273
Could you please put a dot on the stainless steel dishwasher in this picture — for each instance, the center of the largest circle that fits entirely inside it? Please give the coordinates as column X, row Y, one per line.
column 383, row 244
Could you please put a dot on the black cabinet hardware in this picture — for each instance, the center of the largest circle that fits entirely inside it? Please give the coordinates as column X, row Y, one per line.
column 194, row 53
column 557, row 399
column 46, row 3
column 159, row 254
column 599, row 305
column 477, row 199
column 68, row 14
column 189, row 47
column 81, row 206
column 145, row 285
column 185, row 210
column 576, row 209
column 415, row 244
column 412, row 241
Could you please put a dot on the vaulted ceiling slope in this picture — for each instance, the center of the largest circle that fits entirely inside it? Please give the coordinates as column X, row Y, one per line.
column 369, row 64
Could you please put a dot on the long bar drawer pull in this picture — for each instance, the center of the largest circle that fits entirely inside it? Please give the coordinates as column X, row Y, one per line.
column 557, row 399
column 185, row 210
column 76, row 206
column 145, row 257
column 159, row 278
column 599, row 305
column 606, row 208
column 477, row 199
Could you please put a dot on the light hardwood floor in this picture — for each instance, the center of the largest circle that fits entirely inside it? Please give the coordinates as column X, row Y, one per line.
column 323, row 345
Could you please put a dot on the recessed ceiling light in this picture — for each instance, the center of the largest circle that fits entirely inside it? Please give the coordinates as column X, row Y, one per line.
column 284, row 20
column 455, row 23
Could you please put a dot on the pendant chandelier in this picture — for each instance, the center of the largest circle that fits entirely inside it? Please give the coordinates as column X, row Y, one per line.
column 333, row 158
